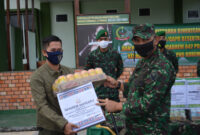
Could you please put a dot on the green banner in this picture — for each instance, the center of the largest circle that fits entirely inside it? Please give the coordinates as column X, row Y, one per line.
column 183, row 39
column 87, row 28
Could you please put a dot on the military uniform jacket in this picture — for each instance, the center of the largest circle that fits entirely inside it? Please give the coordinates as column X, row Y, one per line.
column 112, row 65
column 49, row 115
column 171, row 56
column 148, row 103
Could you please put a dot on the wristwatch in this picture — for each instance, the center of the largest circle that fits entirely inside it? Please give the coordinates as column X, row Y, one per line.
column 118, row 85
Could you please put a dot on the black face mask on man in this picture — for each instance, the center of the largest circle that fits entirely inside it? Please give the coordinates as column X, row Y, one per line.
column 161, row 44
column 55, row 57
column 145, row 49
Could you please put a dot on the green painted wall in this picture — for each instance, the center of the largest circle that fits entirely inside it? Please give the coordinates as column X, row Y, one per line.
column 45, row 17
column 178, row 11
column 18, row 49
column 3, row 50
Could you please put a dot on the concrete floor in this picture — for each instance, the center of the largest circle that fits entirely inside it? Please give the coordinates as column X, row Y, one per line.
column 13, row 122
column 32, row 133
column 20, row 133
column 17, row 119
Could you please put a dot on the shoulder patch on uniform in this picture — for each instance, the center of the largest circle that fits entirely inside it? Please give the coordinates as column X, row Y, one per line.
column 154, row 76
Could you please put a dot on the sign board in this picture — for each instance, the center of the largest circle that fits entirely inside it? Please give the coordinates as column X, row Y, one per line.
column 87, row 28
column 182, row 39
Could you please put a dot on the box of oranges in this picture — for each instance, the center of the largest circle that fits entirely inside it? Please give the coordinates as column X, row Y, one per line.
column 66, row 82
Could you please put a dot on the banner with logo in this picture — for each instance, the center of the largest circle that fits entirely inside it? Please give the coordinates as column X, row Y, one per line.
column 183, row 39
column 87, row 28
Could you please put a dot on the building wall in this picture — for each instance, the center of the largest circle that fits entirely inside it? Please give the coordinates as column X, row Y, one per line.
column 161, row 11
column 190, row 5
column 100, row 6
column 64, row 30
column 15, row 91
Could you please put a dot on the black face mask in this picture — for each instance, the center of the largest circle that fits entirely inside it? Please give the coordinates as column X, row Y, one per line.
column 161, row 44
column 145, row 49
column 55, row 57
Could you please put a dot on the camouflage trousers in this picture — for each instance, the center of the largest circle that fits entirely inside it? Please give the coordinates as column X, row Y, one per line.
column 179, row 128
column 119, row 119
column 185, row 128
column 175, row 127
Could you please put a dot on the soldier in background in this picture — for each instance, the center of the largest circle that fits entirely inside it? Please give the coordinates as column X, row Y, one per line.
column 109, row 60
column 111, row 63
column 148, row 104
column 170, row 55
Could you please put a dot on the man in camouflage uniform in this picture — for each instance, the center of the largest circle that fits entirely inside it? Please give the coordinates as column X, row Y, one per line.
column 198, row 68
column 111, row 63
column 109, row 60
column 170, row 55
column 148, row 104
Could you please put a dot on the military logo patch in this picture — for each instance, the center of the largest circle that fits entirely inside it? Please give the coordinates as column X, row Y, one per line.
column 154, row 76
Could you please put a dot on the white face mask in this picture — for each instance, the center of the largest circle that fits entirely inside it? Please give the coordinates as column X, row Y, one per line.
column 104, row 44
column 94, row 47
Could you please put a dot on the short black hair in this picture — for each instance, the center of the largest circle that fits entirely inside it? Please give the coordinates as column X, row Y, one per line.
column 46, row 41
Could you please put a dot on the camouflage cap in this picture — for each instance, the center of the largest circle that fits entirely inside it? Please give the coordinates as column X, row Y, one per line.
column 144, row 31
column 102, row 33
column 160, row 33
